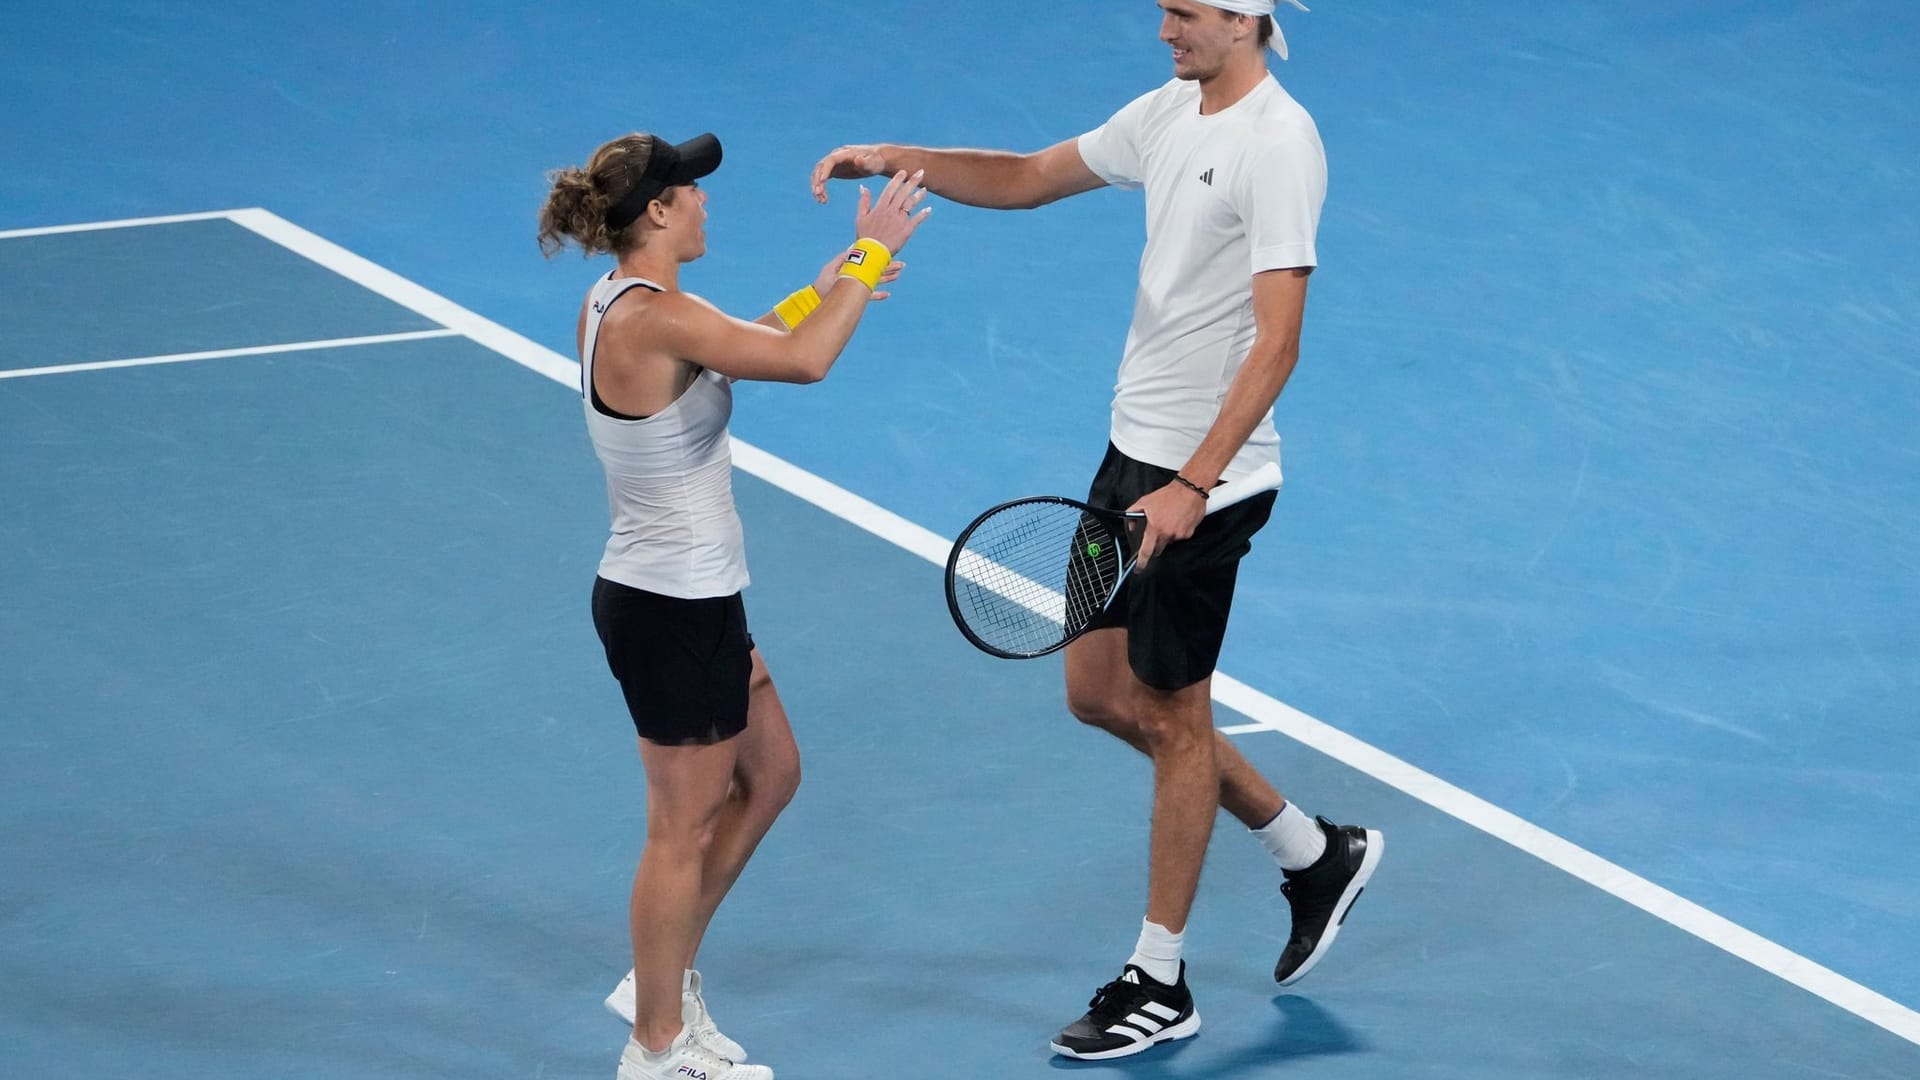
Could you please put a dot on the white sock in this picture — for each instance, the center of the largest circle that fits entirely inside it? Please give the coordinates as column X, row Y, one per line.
column 1294, row 838
column 1158, row 953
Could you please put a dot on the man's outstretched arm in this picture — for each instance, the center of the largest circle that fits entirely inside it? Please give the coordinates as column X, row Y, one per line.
column 995, row 179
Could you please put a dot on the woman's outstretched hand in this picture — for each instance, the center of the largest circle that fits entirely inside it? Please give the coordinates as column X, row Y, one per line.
column 891, row 218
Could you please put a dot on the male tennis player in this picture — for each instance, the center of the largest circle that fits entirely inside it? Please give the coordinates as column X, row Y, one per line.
column 656, row 371
column 1234, row 176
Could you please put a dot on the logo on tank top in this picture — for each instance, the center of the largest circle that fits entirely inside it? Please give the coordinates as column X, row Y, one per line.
column 1207, row 178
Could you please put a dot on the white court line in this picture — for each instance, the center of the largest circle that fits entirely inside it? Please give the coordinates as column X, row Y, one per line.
column 405, row 293
column 1267, row 712
column 1653, row 899
column 124, row 223
column 222, row 354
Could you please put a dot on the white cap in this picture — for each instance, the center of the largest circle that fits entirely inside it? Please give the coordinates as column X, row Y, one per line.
column 1258, row 7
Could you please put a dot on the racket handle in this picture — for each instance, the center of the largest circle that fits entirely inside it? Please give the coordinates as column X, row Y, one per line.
column 1233, row 492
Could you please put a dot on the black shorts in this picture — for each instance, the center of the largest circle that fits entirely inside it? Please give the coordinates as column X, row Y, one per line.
column 683, row 665
column 1175, row 613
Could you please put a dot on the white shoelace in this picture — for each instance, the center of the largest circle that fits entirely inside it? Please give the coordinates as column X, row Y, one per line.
column 707, row 1033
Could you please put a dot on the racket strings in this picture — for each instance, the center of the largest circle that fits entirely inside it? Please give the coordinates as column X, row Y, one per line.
column 1034, row 574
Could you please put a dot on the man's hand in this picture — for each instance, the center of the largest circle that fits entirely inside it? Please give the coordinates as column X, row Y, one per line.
column 1173, row 512
column 847, row 163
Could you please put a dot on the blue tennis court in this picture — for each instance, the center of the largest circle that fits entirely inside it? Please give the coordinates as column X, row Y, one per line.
column 1593, row 584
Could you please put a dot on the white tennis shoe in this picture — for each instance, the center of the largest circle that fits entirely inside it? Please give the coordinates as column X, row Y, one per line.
column 684, row 1059
column 693, row 1013
column 621, row 1003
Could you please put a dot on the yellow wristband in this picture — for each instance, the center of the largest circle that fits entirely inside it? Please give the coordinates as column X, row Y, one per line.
column 795, row 308
column 866, row 260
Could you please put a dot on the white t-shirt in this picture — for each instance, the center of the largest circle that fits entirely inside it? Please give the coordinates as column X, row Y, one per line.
column 1229, row 196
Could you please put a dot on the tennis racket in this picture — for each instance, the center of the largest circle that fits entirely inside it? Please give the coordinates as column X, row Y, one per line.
column 1030, row 575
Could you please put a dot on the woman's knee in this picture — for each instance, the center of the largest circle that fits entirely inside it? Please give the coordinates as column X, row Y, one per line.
column 767, row 778
column 773, row 783
column 691, row 834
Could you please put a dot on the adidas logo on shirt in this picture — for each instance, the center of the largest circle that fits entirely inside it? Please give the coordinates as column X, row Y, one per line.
column 1207, row 178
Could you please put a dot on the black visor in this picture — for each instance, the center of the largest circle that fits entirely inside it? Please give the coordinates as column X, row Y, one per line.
column 668, row 165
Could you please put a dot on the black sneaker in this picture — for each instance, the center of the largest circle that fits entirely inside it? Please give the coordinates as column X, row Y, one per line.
column 1322, row 894
column 1129, row 1015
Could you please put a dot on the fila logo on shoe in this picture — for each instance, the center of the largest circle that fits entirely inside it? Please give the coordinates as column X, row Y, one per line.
column 1207, row 178
column 690, row 1072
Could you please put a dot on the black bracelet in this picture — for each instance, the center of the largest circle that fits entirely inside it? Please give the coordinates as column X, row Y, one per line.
column 1191, row 486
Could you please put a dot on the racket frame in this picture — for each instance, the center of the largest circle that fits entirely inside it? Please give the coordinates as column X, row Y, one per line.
column 1120, row 523
column 1124, row 524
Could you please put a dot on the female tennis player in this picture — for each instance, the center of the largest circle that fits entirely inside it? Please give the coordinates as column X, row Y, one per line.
column 656, row 371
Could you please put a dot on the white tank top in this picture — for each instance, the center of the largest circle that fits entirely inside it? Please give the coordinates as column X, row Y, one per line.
column 669, row 480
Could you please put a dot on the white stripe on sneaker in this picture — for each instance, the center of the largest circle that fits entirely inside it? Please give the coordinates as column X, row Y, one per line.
column 1164, row 1012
